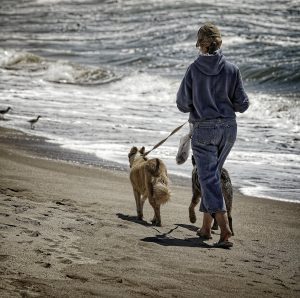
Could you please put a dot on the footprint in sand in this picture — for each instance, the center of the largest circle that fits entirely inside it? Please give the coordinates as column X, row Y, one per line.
column 21, row 208
column 4, row 226
column 257, row 261
column 107, row 278
column 32, row 233
column 3, row 258
column 74, row 256
column 269, row 268
column 63, row 236
column 255, row 272
column 280, row 282
column 64, row 202
column 24, row 242
column 47, row 214
column 44, row 264
column 40, row 252
column 268, row 292
column 69, row 229
column 52, row 250
column 66, row 261
column 4, row 214
column 78, row 277
column 49, row 239
column 28, row 220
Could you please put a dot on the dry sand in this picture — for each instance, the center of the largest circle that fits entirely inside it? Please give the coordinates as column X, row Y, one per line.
column 69, row 230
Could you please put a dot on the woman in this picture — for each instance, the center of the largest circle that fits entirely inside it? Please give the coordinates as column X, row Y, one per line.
column 212, row 91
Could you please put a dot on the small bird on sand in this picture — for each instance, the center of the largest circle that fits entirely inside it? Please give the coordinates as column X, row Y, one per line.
column 33, row 121
column 3, row 112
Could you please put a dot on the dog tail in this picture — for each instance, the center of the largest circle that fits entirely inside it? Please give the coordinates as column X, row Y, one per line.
column 159, row 180
column 161, row 190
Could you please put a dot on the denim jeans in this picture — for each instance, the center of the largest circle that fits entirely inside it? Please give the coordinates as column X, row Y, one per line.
column 212, row 141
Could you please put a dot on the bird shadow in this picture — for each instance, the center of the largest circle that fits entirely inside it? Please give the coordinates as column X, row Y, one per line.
column 133, row 219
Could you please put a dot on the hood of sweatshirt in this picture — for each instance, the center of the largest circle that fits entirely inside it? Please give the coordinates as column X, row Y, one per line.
column 210, row 64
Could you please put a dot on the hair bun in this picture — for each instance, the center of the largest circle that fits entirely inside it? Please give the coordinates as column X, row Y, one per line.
column 212, row 48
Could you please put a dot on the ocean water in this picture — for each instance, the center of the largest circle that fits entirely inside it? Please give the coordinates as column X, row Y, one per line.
column 104, row 75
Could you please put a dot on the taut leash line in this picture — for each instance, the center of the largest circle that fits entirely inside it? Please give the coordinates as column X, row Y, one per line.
column 162, row 141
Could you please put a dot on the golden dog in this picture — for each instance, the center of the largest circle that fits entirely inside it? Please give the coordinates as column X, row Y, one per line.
column 149, row 179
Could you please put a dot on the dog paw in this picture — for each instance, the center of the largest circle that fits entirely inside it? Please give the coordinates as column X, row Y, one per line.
column 192, row 215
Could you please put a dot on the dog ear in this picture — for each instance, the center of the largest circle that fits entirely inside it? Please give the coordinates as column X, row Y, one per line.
column 132, row 151
column 142, row 150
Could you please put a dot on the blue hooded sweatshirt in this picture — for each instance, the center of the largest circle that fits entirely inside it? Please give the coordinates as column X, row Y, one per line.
column 212, row 88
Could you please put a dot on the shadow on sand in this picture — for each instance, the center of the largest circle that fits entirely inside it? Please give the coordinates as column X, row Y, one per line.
column 133, row 219
column 171, row 241
column 165, row 239
column 188, row 227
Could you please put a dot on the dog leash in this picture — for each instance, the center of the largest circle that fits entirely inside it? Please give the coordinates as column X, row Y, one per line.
column 162, row 141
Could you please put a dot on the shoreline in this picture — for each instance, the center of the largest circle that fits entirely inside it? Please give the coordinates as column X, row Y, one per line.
column 46, row 148
column 70, row 230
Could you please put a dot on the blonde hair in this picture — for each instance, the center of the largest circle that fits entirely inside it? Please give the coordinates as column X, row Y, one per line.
column 209, row 38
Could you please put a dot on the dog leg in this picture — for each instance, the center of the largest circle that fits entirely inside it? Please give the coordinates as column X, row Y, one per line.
column 230, row 223
column 215, row 225
column 142, row 201
column 149, row 188
column 157, row 216
column 139, row 211
column 153, row 220
column 194, row 202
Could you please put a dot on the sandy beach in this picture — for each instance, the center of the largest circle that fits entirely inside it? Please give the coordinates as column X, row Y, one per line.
column 69, row 230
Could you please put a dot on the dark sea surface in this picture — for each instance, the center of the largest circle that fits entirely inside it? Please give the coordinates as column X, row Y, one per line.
column 104, row 77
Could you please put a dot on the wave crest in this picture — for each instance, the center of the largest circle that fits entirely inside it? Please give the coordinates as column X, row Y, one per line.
column 19, row 60
column 67, row 73
column 55, row 71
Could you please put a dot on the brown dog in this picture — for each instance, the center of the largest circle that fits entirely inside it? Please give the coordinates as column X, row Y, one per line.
column 226, row 190
column 149, row 179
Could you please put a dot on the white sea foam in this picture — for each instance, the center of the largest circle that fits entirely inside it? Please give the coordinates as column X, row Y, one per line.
column 55, row 71
column 16, row 59
column 60, row 73
column 264, row 192
column 65, row 72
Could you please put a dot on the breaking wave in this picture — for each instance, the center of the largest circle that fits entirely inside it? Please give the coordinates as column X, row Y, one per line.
column 59, row 71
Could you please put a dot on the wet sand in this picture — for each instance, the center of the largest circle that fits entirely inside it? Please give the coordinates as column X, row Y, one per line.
column 69, row 230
